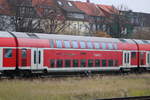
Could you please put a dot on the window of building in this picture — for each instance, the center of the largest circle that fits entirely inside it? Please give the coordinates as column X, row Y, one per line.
column 75, row 63
column 70, row 4
column 133, row 55
column 110, row 63
column 97, row 62
column 60, row 3
column 52, row 63
column 96, row 44
column 74, row 44
column 7, row 53
column 110, row 46
column 59, row 43
column 103, row 45
column 103, row 63
column 90, row 63
column 90, row 45
column 82, row 45
column 67, row 44
column 59, row 63
column 51, row 43
column 24, row 53
column 83, row 63
column 67, row 63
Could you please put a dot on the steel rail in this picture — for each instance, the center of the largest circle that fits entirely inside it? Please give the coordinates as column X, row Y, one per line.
column 129, row 98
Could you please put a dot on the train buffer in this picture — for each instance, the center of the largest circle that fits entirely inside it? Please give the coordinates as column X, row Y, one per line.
column 129, row 98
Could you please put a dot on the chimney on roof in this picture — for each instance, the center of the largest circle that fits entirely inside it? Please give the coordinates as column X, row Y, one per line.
column 88, row 1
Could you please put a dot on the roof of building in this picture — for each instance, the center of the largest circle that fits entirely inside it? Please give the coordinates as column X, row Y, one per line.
column 89, row 8
column 68, row 6
column 108, row 10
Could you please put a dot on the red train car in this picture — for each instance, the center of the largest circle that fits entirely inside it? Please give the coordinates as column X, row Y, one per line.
column 63, row 53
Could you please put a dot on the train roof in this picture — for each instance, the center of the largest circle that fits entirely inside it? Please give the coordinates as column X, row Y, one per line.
column 70, row 37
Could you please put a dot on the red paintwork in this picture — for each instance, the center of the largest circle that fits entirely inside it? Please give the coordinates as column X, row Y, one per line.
column 71, row 54
column 37, row 43
column 7, row 42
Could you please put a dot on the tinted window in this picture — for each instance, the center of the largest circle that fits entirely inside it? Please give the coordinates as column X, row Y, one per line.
column 89, row 45
column 110, row 63
column 67, row 44
column 97, row 62
column 90, row 63
column 97, row 46
column 116, row 63
column 51, row 43
column 59, row 63
column 75, row 63
column 103, row 46
column 59, row 43
column 24, row 53
column 115, row 46
column 74, row 44
column 67, row 63
column 103, row 63
column 110, row 46
column 34, row 57
column 52, row 63
column 8, row 53
column 82, row 45
column 133, row 55
column 83, row 63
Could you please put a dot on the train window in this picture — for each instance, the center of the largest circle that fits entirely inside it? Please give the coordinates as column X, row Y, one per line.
column 123, row 40
column 115, row 46
column 67, row 63
column 116, row 63
column 67, row 44
column 103, row 46
column 59, row 43
column 133, row 55
column 110, row 46
column 32, row 35
column 144, row 41
column 51, row 43
column 97, row 62
column 24, row 53
column 74, row 44
column 148, row 58
column 110, row 63
column 83, row 63
column 59, row 63
column 52, row 63
column 90, row 45
column 75, row 63
column 34, row 57
column 97, row 46
column 82, row 45
column 90, row 63
column 7, row 53
column 103, row 63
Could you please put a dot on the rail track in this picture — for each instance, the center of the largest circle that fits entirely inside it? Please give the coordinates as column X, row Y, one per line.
column 129, row 98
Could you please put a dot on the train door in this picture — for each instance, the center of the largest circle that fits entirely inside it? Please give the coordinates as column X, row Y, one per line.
column 1, row 57
column 148, row 59
column 36, row 58
column 126, row 58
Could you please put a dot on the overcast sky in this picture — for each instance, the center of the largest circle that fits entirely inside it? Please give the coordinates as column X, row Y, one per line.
column 135, row 5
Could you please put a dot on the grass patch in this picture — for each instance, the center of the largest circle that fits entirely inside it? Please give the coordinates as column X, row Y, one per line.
column 75, row 88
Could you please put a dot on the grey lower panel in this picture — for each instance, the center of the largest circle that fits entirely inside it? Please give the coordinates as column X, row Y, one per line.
column 83, row 69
